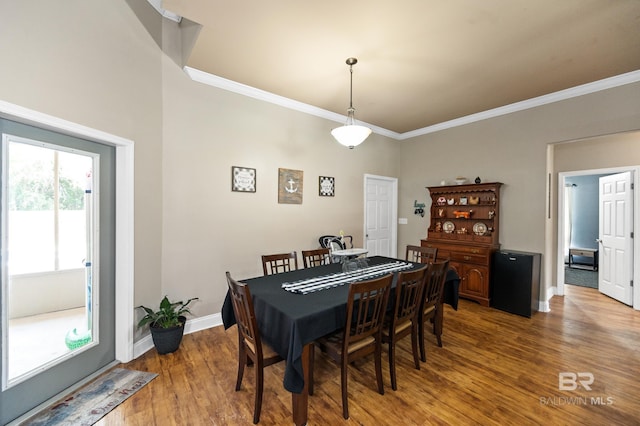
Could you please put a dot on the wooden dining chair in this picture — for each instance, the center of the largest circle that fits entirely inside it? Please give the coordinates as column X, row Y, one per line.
column 282, row 262
column 419, row 254
column 434, row 284
column 402, row 321
column 250, row 345
column 366, row 307
column 316, row 257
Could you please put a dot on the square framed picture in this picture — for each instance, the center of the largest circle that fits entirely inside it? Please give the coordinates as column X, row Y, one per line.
column 243, row 179
column 290, row 186
column 463, row 201
column 327, row 186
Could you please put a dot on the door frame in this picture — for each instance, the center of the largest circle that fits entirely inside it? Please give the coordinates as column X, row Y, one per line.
column 394, row 211
column 124, row 212
column 560, row 222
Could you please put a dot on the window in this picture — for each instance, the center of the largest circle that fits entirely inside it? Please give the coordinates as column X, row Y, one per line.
column 47, row 195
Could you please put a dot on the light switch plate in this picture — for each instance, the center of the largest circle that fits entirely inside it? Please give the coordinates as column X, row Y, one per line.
column 402, row 221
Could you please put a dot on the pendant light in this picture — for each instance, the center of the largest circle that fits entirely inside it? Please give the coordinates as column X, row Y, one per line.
column 351, row 134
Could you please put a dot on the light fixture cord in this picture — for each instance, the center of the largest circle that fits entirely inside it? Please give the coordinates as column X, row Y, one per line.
column 351, row 87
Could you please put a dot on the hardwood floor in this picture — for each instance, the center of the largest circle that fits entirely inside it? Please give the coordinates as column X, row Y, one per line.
column 494, row 368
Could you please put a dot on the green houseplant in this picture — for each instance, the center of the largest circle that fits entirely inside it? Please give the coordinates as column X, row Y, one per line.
column 166, row 323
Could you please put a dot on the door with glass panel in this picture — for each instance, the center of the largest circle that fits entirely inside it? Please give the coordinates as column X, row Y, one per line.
column 58, row 280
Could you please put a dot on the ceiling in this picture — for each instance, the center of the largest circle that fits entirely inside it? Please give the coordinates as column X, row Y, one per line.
column 420, row 62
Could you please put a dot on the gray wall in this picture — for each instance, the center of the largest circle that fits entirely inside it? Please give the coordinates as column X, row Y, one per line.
column 106, row 67
column 584, row 217
column 96, row 64
column 513, row 149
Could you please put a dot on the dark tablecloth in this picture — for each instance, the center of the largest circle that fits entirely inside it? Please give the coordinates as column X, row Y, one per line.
column 288, row 321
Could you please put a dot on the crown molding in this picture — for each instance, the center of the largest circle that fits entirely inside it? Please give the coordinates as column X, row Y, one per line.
column 573, row 92
column 157, row 5
column 252, row 92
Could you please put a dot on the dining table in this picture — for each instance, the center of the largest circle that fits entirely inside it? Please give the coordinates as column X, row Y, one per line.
column 295, row 308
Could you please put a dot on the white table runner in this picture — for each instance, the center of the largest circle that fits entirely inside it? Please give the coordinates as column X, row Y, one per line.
column 341, row 278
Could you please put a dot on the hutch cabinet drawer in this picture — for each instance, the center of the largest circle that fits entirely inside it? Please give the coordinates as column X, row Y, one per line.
column 460, row 248
column 469, row 258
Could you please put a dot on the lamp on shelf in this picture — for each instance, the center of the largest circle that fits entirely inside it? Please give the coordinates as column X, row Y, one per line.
column 351, row 134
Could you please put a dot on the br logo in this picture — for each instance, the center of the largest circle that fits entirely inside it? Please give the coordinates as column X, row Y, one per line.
column 568, row 381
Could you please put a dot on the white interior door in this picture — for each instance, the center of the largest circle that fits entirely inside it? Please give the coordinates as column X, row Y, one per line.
column 381, row 201
column 615, row 235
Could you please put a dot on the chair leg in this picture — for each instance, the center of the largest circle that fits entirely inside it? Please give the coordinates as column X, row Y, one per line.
column 378, row 358
column 242, row 360
column 414, row 345
column 392, row 364
column 439, row 338
column 437, row 326
column 259, row 388
column 423, row 353
column 345, row 394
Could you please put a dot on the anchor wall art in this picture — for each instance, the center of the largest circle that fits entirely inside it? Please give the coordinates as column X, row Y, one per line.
column 290, row 186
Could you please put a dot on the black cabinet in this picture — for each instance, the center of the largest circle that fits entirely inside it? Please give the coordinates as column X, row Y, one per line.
column 515, row 282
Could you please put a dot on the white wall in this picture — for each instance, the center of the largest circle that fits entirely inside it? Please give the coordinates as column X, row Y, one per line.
column 39, row 293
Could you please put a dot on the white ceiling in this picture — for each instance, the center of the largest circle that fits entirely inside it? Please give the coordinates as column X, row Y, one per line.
column 420, row 62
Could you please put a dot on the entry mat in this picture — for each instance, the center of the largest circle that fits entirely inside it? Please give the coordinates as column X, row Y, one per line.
column 93, row 401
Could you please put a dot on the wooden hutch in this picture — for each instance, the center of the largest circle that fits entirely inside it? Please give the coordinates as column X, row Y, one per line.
column 464, row 227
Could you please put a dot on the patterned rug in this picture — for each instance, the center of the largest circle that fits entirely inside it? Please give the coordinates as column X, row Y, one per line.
column 93, row 401
column 581, row 277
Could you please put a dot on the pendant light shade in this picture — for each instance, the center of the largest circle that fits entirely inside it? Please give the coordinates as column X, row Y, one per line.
column 351, row 134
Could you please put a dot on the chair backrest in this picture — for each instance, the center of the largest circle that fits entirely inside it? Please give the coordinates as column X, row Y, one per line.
column 335, row 242
column 245, row 316
column 316, row 257
column 276, row 263
column 434, row 283
column 419, row 254
column 366, row 307
column 408, row 296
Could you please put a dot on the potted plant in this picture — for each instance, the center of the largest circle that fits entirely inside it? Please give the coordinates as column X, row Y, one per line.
column 166, row 324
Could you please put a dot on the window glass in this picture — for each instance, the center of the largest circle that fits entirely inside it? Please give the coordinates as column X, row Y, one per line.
column 46, row 209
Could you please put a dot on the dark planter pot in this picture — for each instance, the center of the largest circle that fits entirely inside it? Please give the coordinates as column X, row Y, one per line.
column 167, row 340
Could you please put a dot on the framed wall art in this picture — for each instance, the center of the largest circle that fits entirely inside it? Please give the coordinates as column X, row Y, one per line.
column 326, row 186
column 243, row 179
column 290, row 186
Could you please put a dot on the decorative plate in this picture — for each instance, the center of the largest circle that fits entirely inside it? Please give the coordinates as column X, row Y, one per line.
column 448, row 227
column 479, row 228
column 441, row 201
